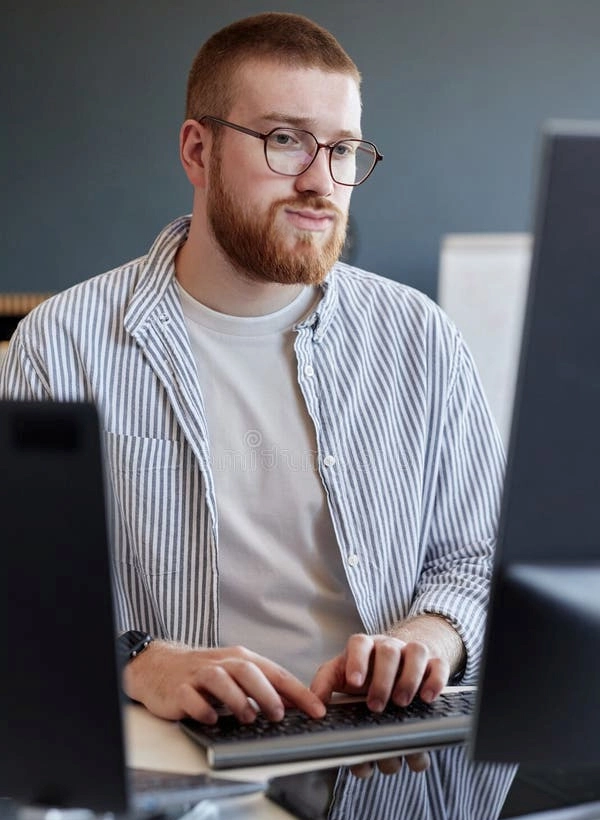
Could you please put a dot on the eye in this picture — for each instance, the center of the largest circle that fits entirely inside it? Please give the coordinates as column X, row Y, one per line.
column 343, row 150
column 284, row 139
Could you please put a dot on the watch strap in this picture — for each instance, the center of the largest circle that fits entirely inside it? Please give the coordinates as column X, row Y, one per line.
column 130, row 644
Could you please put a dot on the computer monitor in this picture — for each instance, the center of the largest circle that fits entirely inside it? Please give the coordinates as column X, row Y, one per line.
column 59, row 704
column 539, row 694
column 63, row 745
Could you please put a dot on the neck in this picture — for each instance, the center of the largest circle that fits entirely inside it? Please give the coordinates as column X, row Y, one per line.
column 208, row 276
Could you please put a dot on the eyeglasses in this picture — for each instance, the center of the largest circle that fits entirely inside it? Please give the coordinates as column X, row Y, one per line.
column 291, row 152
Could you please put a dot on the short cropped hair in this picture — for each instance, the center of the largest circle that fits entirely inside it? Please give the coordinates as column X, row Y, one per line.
column 290, row 39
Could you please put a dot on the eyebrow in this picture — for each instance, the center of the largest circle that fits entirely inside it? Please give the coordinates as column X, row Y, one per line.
column 304, row 123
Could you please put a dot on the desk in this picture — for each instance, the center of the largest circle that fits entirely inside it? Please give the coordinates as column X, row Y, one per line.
column 159, row 744
column 468, row 792
column 152, row 743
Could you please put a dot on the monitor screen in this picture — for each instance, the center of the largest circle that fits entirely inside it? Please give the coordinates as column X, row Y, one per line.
column 60, row 710
column 539, row 695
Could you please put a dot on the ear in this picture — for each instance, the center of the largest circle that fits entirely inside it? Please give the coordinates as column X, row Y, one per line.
column 194, row 149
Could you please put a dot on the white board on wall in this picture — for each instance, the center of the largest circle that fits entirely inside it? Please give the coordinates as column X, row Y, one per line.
column 482, row 286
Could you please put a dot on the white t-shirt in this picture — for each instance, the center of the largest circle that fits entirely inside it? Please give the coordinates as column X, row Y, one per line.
column 282, row 586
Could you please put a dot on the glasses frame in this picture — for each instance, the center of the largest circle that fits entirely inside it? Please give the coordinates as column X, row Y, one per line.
column 329, row 146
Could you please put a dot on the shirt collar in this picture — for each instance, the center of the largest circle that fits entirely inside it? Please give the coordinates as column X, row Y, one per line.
column 159, row 271
column 157, row 274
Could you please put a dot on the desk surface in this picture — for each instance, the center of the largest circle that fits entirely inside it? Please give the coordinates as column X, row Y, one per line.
column 152, row 743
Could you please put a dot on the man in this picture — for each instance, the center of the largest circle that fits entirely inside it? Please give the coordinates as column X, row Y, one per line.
column 301, row 457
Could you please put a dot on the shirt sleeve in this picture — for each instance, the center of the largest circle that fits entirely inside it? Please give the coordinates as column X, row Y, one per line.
column 461, row 532
column 21, row 377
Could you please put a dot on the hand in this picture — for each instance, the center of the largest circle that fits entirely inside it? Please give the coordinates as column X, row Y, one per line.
column 417, row 659
column 174, row 681
column 383, row 668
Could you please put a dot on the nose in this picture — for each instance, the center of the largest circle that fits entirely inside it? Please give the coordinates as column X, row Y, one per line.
column 317, row 178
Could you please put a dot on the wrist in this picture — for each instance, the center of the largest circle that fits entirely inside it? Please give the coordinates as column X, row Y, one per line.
column 439, row 635
column 130, row 645
column 141, row 673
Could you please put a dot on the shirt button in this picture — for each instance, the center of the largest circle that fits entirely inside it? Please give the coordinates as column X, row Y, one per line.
column 329, row 461
column 353, row 559
column 309, row 370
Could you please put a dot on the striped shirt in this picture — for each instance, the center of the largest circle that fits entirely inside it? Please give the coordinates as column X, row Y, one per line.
column 409, row 456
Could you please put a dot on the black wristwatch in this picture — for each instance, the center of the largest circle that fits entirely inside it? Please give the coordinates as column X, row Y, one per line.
column 130, row 644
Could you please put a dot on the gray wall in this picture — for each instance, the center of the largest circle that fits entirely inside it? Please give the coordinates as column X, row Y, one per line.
column 454, row 92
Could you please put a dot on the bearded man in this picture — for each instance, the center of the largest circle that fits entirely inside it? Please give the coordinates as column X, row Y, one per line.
column 299, row 451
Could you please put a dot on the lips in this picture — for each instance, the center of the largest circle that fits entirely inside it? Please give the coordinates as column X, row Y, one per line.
column 310, row 220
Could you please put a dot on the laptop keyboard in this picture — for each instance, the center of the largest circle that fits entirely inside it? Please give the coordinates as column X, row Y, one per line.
column 347, row 728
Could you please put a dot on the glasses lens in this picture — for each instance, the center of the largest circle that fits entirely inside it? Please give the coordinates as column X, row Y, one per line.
column 289, row 151
column 352, row 161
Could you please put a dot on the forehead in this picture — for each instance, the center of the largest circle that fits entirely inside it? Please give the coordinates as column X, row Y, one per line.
column 318, row 99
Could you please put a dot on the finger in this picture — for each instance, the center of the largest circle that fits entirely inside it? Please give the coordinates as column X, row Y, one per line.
column 292, row 689
column 195, row 705
column 358, row 659
column 436, row 677
column 415, row 659
column 267, row 683
column 362, row 770
column 386, row 663
column 328, row 679
column 418, row 762
column 233, row 682
column 389, row 765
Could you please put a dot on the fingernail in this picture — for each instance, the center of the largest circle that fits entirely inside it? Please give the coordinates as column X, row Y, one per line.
column 376, row 705
column 363, row 770
column 427, row 695
column 355, row 679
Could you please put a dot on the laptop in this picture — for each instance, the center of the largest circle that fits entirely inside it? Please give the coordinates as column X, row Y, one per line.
column 60, row 699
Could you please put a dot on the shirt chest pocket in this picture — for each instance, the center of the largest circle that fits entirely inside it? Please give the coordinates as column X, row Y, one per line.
column 150, row 500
